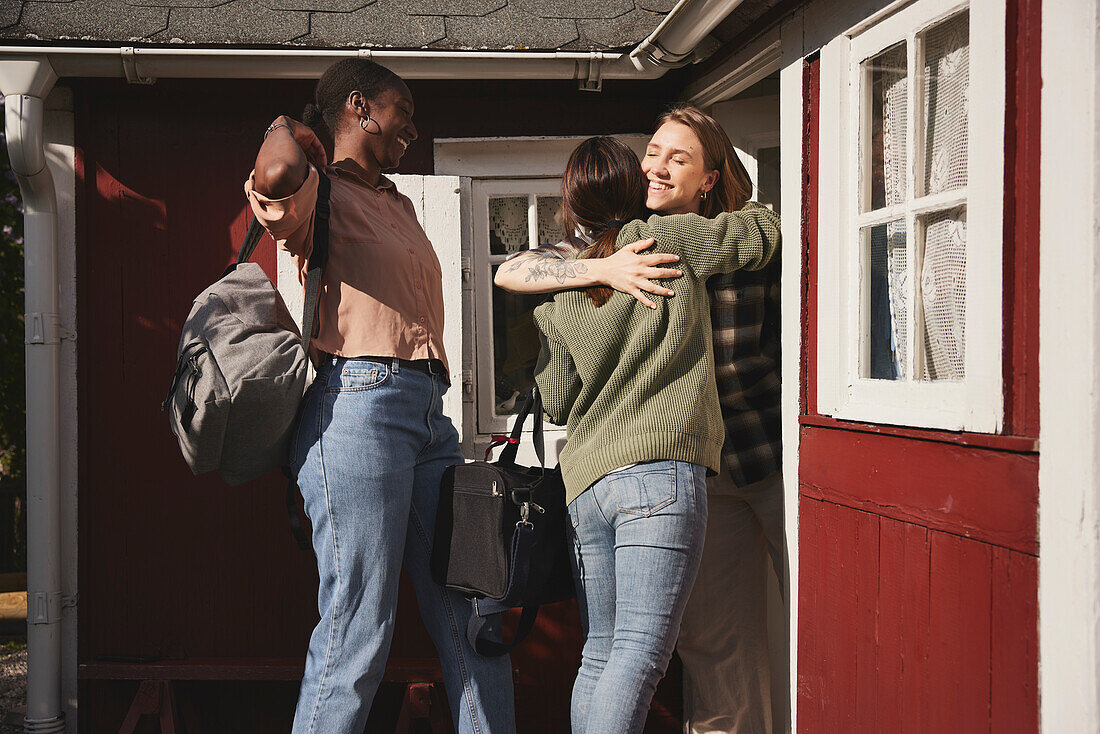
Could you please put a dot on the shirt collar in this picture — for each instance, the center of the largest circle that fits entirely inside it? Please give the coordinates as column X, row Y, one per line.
column 384, row 184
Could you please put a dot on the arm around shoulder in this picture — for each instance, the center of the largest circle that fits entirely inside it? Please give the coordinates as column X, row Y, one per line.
column 546, row 270
column 748, row 238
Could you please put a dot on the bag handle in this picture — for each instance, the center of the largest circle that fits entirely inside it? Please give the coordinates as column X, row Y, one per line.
column 532, row 404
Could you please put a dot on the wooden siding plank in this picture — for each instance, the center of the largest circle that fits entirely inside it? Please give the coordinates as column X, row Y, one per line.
column 1015, row 634
column 811, row 90
column 1015, row 444
column 1021, row 246
column 959, row 655
column 810, row 676
column 863, row 550
column 902, row 628
column 837, row 645
column 977, row 493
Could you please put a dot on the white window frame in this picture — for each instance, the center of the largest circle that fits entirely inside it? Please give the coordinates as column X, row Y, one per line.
column 975, row 403
column 487, row 419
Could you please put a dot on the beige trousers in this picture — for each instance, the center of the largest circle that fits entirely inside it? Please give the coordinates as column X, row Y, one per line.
column 724, row 642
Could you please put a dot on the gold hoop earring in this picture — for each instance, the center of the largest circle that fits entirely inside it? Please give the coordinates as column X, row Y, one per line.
column 703, row 196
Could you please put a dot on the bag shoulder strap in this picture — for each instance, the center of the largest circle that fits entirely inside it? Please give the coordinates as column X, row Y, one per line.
column 532, row 404
column 318, row 258
column 484, row 622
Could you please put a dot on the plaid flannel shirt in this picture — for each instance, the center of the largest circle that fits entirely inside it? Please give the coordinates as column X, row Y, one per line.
column 744, row 308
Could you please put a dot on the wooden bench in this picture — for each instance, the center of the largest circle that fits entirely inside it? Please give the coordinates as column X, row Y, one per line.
column 424, row 701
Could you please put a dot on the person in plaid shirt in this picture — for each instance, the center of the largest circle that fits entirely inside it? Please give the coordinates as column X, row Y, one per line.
column 692, row 168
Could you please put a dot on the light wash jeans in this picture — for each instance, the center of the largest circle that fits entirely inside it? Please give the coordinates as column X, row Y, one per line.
column 371, row 446
column 637, row 540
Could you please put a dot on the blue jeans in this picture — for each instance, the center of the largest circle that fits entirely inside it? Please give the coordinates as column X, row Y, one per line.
column 371, row 445
column 637, row 540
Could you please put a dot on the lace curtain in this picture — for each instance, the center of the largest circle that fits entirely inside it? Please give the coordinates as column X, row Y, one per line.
column 888, row 243
column 941, row 268
column 943, row 271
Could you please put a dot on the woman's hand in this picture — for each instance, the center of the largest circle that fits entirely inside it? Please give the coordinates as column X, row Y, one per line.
column 283, row 161
column 630, row 272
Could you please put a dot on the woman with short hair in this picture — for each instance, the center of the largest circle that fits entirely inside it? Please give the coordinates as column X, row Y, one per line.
column 371, row 442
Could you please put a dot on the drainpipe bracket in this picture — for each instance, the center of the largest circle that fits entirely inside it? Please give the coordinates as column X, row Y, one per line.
column 44, row 607
column 69, row 601
column 129, row 66
column 593, row 78
column 43, row 328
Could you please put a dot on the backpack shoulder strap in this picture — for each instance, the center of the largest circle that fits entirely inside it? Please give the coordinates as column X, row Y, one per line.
column 318, row 259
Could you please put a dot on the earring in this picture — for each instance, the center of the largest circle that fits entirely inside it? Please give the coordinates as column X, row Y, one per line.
column 363, row 122
column 703, row 196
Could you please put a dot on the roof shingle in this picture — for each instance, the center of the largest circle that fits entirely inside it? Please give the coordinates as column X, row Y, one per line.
column 438, row 24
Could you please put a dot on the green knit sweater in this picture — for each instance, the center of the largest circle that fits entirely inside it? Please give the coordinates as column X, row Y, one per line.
column 637, row 384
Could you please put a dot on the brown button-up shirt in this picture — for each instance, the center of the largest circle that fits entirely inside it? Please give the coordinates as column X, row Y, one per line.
column 382, row 291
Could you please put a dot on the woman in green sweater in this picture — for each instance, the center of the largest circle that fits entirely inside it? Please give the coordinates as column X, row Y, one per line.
column 635, row 387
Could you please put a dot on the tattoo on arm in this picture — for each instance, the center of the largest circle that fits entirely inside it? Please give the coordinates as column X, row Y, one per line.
column 559, row 270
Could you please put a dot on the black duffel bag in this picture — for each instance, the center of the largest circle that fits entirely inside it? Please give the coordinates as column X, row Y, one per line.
column 500, row 537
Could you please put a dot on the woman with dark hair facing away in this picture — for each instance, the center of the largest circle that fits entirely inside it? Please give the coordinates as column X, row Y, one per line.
column 691, row 167
column 635, row 388
column 372, row 441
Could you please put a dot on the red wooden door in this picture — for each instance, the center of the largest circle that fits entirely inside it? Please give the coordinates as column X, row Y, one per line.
column 918, row 549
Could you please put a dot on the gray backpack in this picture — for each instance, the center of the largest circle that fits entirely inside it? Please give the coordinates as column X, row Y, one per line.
column 241, row 369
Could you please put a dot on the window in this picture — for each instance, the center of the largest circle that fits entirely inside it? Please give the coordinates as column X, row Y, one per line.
column 910, row 239
column 509, row 216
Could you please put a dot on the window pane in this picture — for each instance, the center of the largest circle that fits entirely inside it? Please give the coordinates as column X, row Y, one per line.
column 515, row 347
column 887, row 299
column 946, row 102
column 507, row 225
column 551, row 230
column 884, row 144
column 943, row 295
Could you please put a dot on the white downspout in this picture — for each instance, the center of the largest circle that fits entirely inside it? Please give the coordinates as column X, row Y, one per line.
column 25, row 84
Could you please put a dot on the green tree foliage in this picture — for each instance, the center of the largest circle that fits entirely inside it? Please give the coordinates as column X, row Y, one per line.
column 13, row 410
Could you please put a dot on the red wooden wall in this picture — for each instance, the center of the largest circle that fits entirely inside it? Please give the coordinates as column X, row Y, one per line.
column 174, row 567
column 918, row 550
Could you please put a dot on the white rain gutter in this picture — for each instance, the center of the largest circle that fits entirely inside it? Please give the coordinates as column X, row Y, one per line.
column 28, row 73
column 25, row 83
column 676, row 41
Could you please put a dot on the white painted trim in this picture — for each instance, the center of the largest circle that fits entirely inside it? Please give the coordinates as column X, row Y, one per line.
column 976, row 403
column 58, row 132
column 517, row 157
column 832, row 302
column 481, row 191
column 746, row 68
column 790, row 131
column 1069, row 365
